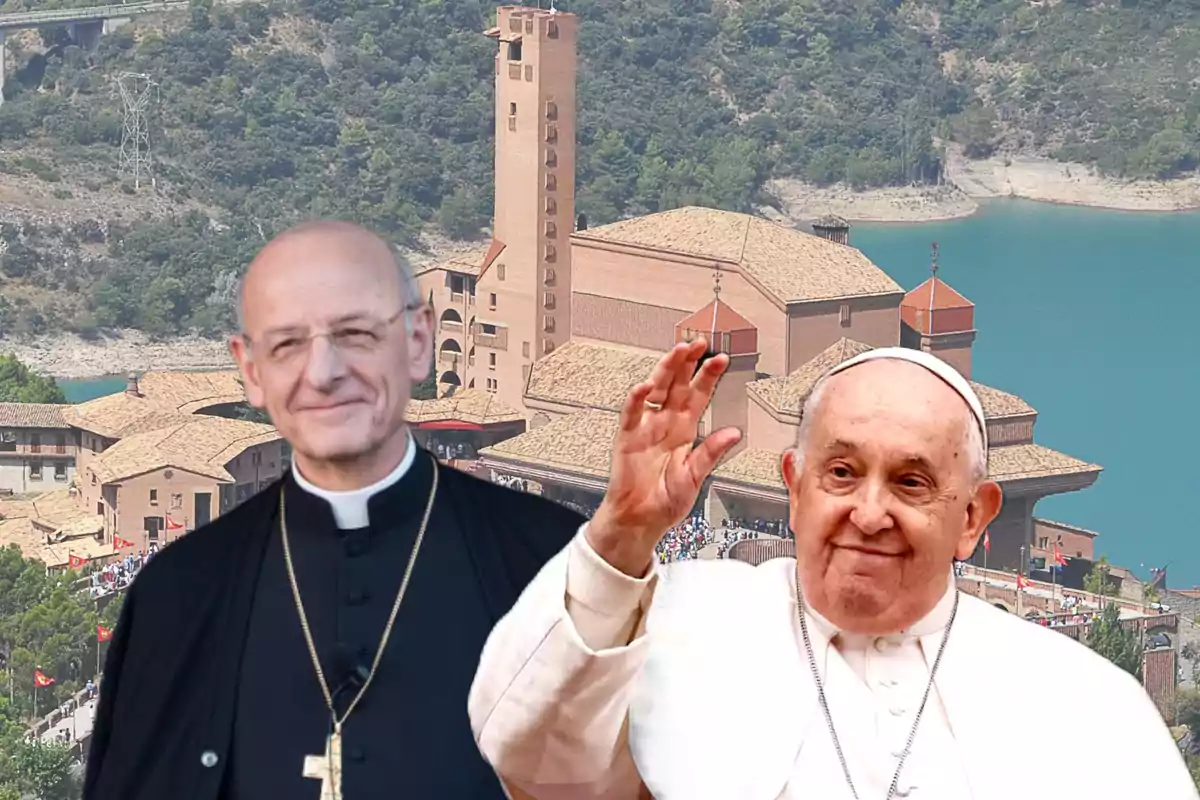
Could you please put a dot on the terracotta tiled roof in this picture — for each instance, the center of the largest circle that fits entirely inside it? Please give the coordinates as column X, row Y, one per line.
column 997, row 403
column 582, row 443
column 1065, row 527
column 56, row 516
column 756, row 467
column 33, row 415
column 786, row 395
column 493, row 252
column 791, row 265
column 588, row 375
column 201, row 444
column 466, row 405
column 118, row 415
column 727, row 320
column 1022, row 461
column 188, row 392
column 944, row 296
column 465, row 262
column 579, row 443
column 163, row 399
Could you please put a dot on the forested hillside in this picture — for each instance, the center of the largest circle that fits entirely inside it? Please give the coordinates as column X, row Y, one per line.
column 381, row 112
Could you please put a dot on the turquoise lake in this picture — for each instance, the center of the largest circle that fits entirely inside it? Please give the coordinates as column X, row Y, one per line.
column 1090, row 316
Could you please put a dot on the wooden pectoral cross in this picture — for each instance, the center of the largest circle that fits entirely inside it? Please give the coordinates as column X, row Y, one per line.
column 327, row 768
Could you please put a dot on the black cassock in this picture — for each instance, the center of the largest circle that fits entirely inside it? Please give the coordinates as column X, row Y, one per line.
column 209, row 692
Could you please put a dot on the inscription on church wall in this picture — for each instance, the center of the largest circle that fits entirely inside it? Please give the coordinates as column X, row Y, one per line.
column 624, row 322
column 1016, row 432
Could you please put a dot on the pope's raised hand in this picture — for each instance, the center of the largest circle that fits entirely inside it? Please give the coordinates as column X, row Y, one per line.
column 657, row 468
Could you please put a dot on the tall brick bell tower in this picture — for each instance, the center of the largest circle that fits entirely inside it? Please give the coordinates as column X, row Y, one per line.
column 524, row 288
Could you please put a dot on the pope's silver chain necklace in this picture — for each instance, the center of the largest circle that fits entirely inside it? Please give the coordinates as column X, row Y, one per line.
column 912, row 734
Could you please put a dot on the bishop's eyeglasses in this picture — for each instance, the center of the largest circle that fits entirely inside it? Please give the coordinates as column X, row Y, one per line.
column 356, row 337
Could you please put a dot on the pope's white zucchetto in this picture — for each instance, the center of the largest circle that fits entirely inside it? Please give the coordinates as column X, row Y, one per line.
column 949, row 375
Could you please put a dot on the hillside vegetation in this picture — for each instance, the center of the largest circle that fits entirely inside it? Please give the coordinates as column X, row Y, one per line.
column 381, row 112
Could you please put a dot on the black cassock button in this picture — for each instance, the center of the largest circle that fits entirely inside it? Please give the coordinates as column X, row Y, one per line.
column 356, row 755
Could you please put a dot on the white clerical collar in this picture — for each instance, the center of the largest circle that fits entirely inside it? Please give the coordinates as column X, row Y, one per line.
column 933, row 622
column 350, row 508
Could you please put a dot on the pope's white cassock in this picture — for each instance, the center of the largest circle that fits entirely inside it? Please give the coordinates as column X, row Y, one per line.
column 693, row 683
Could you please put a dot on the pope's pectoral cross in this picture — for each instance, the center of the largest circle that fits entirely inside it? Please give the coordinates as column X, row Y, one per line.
column 327, row 768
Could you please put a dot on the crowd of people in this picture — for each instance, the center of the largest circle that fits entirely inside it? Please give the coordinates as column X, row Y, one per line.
column 117, row 575
column 685, row 541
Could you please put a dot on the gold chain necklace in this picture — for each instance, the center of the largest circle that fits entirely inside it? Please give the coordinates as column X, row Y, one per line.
column 328, row 768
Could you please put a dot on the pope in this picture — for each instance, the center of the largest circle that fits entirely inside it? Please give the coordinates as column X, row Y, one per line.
column 856, row 670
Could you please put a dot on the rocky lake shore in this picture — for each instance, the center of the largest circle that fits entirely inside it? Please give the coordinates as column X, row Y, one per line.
column 69, row 357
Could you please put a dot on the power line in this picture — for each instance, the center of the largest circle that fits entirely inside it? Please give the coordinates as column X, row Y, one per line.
column 137, row 90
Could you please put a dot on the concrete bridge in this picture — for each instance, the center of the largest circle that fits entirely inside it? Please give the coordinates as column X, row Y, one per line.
column 85, row 26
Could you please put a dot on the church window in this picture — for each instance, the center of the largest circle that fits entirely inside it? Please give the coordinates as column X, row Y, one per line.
column 551, row 158
column 512, row 123
column 548, row 324
column 492, row 300
column 551, row 182
column 551, row 110
column 551, row 134
column 525, row 349
column 514, row 51
column 548, row 300
column 551, row 229
column 491, row 360
column 845, row 315
column 551, row 30
column 35, row 469
column 551, row 206
column 154, row 497
column 529, row 24
column 551, row 254
column 528, row 72
column 512, row 109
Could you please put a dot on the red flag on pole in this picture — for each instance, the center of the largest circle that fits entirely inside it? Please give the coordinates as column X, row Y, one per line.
column 41, row 680
column 103, row 634
column 172, row 525
column 987, row 541
column 1059, row 558
column 74, row 561
column 1022, row 582
column 121, row 544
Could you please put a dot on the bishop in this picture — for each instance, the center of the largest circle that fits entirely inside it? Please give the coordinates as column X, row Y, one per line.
column 319, row 640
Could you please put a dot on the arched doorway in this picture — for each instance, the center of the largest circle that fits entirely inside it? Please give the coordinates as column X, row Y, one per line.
column 450, row 379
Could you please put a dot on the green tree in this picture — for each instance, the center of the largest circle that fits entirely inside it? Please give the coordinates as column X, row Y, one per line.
column 1115, row 642
column 38, row 770
column 1097, row 581
column 19, row 385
